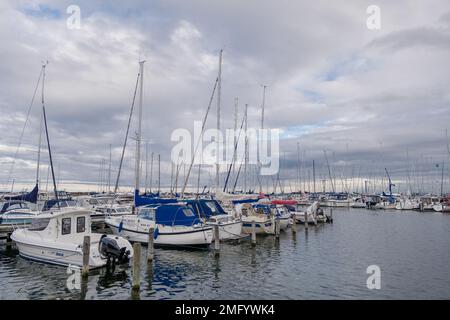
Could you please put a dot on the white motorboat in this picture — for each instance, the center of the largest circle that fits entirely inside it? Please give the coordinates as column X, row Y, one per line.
column 56, row 237
column 407, row 204
column 263, row 220
column 230, row 226
column 110, row 210
column 283, row 216
column 358, row 202
column 175, row 225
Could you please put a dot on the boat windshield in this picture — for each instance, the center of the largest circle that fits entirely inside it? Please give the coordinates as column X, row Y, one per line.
column 147, row 213
column 39, row 224
column 212, row 206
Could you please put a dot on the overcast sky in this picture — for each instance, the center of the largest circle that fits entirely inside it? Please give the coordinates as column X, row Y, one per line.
column 370, row 98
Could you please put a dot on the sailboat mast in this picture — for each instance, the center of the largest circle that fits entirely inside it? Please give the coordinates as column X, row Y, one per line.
column 48, row 139
column 40, row 134
column 219, row 89
column 109, row 169
column 151, row 174
column 159, row 173
column 246, row 149
column 314, row 177
column 298, row 167
column 139, row 132
column 236, row 104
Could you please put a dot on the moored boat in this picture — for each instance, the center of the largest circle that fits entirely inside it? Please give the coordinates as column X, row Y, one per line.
column 56, row 237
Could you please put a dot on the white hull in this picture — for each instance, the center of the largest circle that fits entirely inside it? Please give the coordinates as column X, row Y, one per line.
column 228, row 231
column 299, row 217
column 60, row 253
column 177, row 236
column 263, row 225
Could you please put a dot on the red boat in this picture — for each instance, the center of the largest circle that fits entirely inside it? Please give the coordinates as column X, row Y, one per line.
column 284, row 202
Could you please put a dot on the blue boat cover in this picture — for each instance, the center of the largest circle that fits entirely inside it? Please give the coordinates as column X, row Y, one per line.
column 205, row 207
column 31, row 196
column 175, row 214
column 140, row 201
column 245, row 201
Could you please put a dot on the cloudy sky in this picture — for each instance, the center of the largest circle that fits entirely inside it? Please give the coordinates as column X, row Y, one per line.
column 370, row 98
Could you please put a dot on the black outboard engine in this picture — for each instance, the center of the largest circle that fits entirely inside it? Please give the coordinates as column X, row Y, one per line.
column 109, row 249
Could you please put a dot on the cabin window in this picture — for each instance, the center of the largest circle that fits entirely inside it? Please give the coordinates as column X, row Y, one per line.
column 15, row 206
column 66, row 225
column 188, row 212
column 39, row 224
column 81, row 224
column 212, row 207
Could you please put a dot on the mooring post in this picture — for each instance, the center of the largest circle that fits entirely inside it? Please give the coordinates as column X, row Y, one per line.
column 277, row 228
column 306, row 221
column 150, row 247
column 253, row 233
column 294, row 225
column 86, row 254
column 331, row 215
column 216, row 240
column 136, row 265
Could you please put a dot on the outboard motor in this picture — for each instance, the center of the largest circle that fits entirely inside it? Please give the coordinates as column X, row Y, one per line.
column 109, row 249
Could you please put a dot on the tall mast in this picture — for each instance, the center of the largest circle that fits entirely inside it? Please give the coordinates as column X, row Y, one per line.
column 109, row 169
column 40, row 129
column 298, row 167
column 262, row 127
column 314, row 177
column 245, row 150
column 219, row 89
column 159, row 173
column 139, row 132
column 48, row 139
column 151, row 173
column 146, row 167
column 236, row 105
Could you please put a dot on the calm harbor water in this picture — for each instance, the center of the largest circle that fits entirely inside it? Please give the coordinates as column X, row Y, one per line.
column 329, row 262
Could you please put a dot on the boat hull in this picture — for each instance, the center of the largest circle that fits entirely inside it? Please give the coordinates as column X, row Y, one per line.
column 166, row 235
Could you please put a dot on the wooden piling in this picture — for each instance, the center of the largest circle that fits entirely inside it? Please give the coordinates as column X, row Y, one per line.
column 86, row 254
column 151, row 247
column 136, row 266
column 277, row 228
column 306, row 221
column 331, row 216
column 294, row 225
column 253, row 234
column 216, row 240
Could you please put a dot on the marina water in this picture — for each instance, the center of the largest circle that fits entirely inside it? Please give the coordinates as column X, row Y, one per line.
column 330, row 261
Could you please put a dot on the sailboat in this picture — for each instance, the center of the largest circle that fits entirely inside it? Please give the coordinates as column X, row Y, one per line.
column 176, row 224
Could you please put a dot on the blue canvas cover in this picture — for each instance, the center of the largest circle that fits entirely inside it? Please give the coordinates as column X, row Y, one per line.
column 245, row 201
column 264, row 207
column 140, row 201
column 175, row 214
column 206, row 208
column 31, row 196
